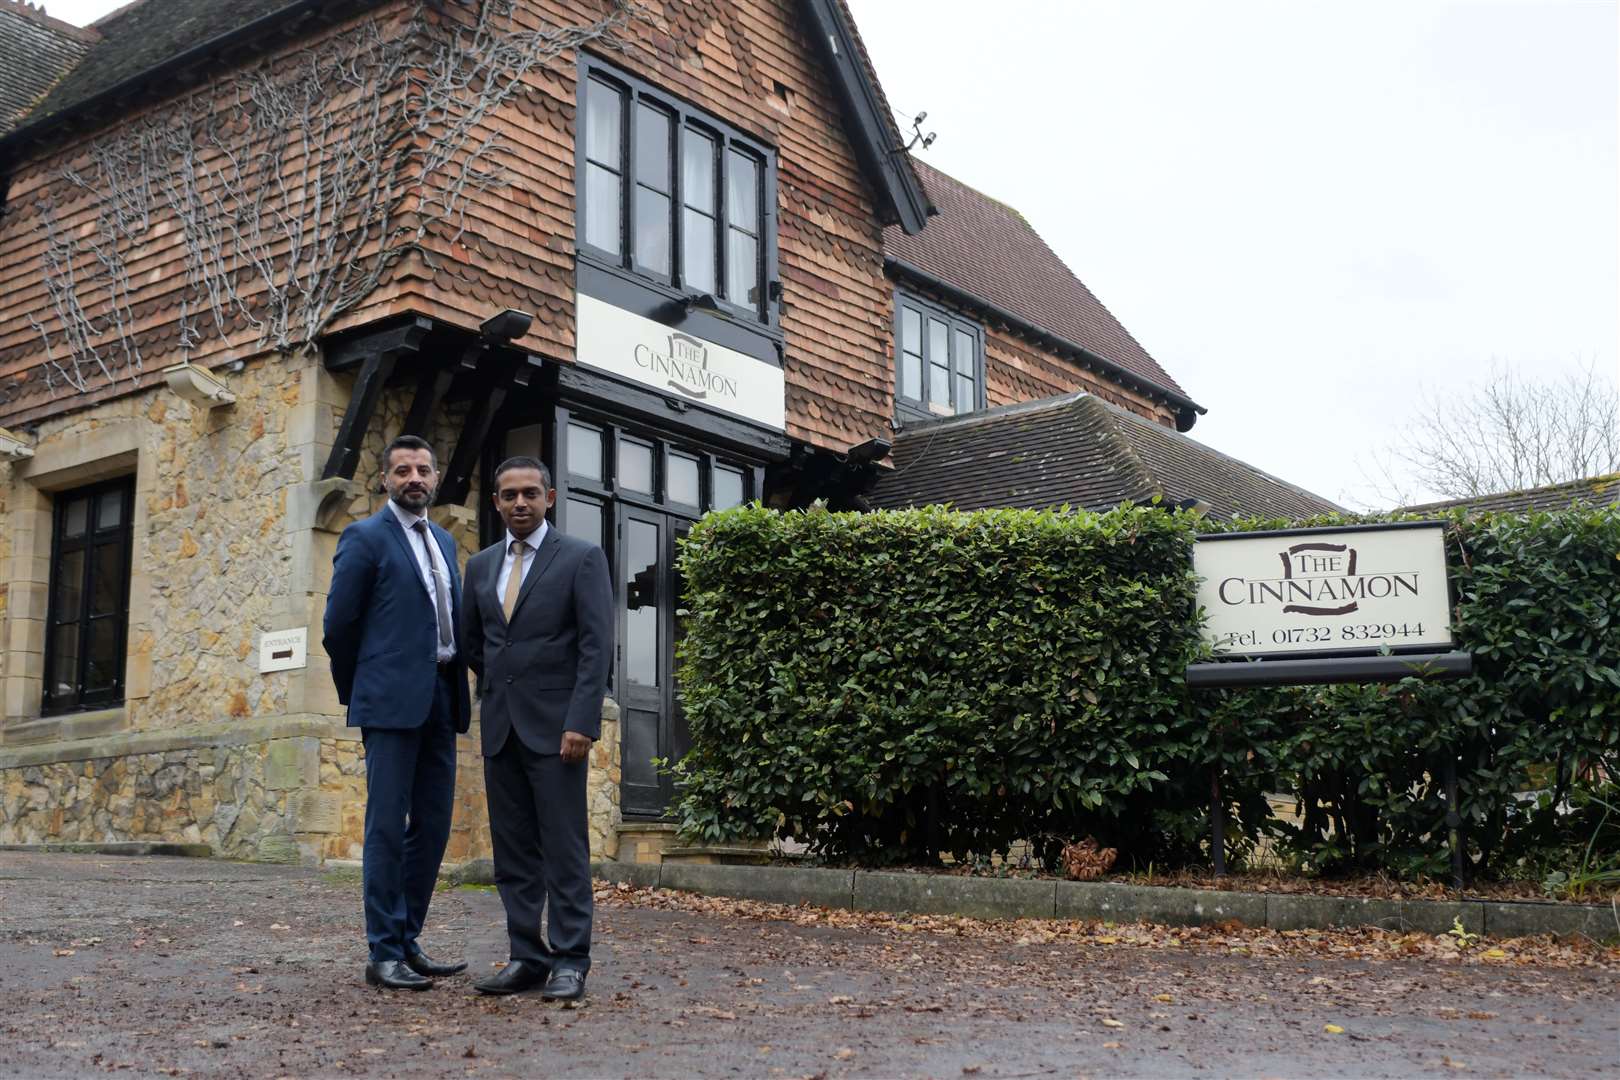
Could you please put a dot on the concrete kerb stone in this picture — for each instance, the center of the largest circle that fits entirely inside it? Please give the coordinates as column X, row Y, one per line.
column 641, row 875
column 781, row 885
column 1311, row 912
column 1440, row 916
column 121, row 847
column 1521, row 919
column 1112, row 902
column 945, row 894
column 1010, row 898
column 472, row 872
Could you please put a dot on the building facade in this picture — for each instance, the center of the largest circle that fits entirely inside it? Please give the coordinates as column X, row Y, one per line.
column 676, row 250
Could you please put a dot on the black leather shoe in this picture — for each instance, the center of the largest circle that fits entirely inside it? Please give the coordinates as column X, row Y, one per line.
column 395, row 975
column 565, row 984
column 514, row 978
column 423, row 964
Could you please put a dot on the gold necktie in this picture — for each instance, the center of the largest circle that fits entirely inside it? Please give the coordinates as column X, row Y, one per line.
column 515, row 581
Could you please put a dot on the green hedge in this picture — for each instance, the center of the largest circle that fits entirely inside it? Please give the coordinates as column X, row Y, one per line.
column 1538, row 605
column 892, row 685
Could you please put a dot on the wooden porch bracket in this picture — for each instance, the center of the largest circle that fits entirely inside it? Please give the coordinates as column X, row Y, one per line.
column 498, row 369
column 376, row 354
column 431, row 387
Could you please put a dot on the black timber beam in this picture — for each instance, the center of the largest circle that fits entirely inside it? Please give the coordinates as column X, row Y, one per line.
column 1329, row 669
column 576, row 384
column 432, row 384
column 376, row 354
column 396, row 337
column 873, row 132
column 497, row 371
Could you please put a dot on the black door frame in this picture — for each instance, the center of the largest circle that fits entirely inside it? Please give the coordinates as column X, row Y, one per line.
column 644, row 793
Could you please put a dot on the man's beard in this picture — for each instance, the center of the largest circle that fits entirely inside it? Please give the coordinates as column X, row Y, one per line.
column 414, row 501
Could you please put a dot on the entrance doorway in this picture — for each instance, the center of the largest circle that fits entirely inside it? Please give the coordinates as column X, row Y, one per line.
column 636, row 490
column 652, row 725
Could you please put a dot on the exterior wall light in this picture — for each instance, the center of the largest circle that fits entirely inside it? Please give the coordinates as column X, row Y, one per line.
column 870, row 450
column 509, row 325
column 198, row 386
column 12, row 448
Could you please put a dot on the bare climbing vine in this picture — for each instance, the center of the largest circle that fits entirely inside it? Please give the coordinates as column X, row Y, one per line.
column 295, row 186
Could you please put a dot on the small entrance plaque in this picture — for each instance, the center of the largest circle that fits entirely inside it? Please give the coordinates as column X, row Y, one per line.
column 283, row 650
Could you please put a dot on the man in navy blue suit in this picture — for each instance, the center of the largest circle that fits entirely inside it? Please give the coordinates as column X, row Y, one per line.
column 390, row 631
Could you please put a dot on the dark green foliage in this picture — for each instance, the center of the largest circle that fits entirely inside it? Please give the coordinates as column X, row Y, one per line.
column 889, row 686
column 1536, row 603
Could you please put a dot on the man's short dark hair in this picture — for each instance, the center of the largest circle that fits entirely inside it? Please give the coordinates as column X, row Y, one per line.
column 523, row 461
column 407, row 442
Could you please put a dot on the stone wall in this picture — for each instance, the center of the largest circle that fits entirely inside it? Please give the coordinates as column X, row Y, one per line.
column 280, row 800
column 287, row 799
column 233, row 537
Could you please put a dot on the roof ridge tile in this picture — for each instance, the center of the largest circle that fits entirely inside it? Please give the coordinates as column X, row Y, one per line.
column 36, row 14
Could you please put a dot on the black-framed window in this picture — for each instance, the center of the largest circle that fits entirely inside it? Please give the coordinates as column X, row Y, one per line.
column 598, row 461
column 674, row 195
column 938, row 358
column 603, row 461
column 87, row 625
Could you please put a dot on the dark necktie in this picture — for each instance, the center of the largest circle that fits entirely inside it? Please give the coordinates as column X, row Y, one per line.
column 441, row 591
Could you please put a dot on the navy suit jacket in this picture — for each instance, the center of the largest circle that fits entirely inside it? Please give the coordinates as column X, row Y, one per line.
column 547, row 671
column 379, row 626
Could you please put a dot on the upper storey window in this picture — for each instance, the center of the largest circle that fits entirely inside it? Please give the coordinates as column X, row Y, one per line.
column 939, row 361
column 673, row 195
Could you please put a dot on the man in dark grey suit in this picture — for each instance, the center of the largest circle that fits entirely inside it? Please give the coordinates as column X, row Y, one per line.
column 537, row 627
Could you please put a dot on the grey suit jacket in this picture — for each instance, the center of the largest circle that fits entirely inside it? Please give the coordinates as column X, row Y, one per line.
column 547, row 671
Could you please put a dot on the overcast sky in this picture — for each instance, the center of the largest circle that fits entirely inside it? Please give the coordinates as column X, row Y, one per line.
column 1306, row 211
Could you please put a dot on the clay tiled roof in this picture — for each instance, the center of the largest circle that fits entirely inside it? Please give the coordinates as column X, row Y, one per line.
column 143, row 35
column 988, row 250
column 1079, row 451
column 35, row 52
column 1594, row 490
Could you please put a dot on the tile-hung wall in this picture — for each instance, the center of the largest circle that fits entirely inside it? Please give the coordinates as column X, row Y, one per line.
column 702, row 180
column 689, row 224
column 722, row 219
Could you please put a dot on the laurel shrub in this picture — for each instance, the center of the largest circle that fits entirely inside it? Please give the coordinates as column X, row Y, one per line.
column 891, row 686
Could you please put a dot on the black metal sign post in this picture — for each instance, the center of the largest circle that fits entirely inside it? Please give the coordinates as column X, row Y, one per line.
column 1360, row 604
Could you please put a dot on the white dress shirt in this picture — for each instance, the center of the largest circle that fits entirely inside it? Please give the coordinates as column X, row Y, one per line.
column 429, row 561
column 532, row 542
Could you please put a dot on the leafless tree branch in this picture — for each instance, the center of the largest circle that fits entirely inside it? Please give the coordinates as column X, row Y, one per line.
column 1507, row 433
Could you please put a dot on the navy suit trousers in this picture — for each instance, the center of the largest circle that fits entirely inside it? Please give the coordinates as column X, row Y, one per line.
column 410, row 789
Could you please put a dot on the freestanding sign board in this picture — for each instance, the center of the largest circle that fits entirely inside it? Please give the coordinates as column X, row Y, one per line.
column 1367, row 603
column 1320, row 591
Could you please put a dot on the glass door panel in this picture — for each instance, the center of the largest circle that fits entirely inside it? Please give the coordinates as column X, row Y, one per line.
column 641, row 574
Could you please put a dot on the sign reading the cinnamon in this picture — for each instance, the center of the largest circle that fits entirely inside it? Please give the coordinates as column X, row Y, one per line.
column 690, row 369
column 1325, row 591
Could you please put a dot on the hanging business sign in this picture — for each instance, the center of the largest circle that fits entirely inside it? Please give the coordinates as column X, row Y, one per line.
column 1349, row 591
column 699, row 372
